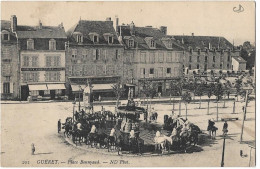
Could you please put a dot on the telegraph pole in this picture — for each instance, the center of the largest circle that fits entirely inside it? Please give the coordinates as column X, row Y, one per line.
column 223, row 151
column 244, row 116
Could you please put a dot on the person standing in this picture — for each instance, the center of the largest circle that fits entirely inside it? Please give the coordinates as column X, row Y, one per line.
column 59, row 126
column 33, row 148
column 99, row 98
column 225, row 128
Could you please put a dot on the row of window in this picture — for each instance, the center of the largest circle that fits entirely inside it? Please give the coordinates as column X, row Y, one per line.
column 213, row 66
column 96, row 54
column 34, row 76
column 206, row 58
column 89, row 70
column 94, row 38
column 30, row 44
column 33, row 61
column 159, row 71
column 171, row 57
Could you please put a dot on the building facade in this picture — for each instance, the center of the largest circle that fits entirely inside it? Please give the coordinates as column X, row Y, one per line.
column 93, row 56
column 206, row 53
column 42, row 61
column 9, row 62
column 150, row 56
column 238, row 64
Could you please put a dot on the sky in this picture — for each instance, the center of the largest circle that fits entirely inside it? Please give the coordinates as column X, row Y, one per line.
column 181, row 18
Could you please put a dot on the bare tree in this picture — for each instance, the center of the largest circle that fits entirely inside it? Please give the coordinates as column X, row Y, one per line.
column 218, row 92
column 118, row 91
column 210, row 93
column 186, row 97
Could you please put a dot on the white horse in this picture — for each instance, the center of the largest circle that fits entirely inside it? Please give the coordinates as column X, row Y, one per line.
column 160, row 141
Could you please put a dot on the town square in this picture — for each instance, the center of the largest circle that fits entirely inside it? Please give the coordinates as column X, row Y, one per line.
column 81, row 90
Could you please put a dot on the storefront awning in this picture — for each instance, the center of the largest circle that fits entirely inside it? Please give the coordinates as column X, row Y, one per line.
column 78, row 88
column 55, row 86
column 130, row 85
column 38, row 87
column 102, row 87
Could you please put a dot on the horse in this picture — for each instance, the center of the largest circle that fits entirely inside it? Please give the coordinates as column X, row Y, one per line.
column 68, row 128
column 162, row 142
column 212, row 129
column 194, row 134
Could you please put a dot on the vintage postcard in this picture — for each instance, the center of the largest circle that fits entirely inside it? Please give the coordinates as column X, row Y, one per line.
column 128, row 84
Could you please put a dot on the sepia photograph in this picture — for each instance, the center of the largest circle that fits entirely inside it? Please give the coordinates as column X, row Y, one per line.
column 128, row 84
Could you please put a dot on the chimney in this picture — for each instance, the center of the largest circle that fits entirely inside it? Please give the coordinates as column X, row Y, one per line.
column 108, row 19
column 148, row 26
column 192, row 34
column 164, row 29
column 40, row 24
column 117, row 22
column 132, row 28
column 13, row 23
column 61, row 25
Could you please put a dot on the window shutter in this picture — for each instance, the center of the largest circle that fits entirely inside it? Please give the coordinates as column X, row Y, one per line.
column 94, row 54
column 105, row 54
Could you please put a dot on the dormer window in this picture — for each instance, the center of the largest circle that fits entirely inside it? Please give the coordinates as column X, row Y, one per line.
column 5, row 35
column 79, row 38
column 169, row 44
column 199, row 51
column 30, row 44
column 110, row 39
column 152, row 44
column 95, row 39
column 131, row 43
column 52, row 44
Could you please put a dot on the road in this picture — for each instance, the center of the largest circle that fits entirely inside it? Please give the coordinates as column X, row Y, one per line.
column 24, row 124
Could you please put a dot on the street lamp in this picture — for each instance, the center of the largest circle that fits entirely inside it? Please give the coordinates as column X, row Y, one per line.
column 73, row 110
column 223, row 150
column 244, row 116
column 80, row 89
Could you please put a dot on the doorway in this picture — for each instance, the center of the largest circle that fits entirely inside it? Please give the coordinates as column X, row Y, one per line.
column 24, row 92
column 52, row 92
column 160, row 89
column 41, row 93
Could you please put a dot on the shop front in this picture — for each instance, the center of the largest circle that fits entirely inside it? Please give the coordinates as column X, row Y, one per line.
column 101, row 87
column 44, row 92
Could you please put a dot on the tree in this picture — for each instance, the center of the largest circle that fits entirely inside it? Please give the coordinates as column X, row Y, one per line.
column 199, row 91
column 210, row 93
column 238, row 86
column 118, row 91
column 175, row 89
column 186, row 97
column 218, row 92
column 248, row 53
column 148, row 89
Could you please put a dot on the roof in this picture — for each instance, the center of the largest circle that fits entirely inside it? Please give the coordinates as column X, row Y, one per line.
column 5, row 25
column 203, row 42
column 86, row 27
column 142, row 34
column 25, row 32
column 239, row 59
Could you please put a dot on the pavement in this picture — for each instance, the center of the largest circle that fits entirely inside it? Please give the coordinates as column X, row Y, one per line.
column 24, row 124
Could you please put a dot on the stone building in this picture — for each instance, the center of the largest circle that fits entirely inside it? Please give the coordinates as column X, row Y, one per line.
column 238, row 64
column 42, row 60
column 150, row 55
column 206, row 53
column 9, row 62
column 93, row 56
